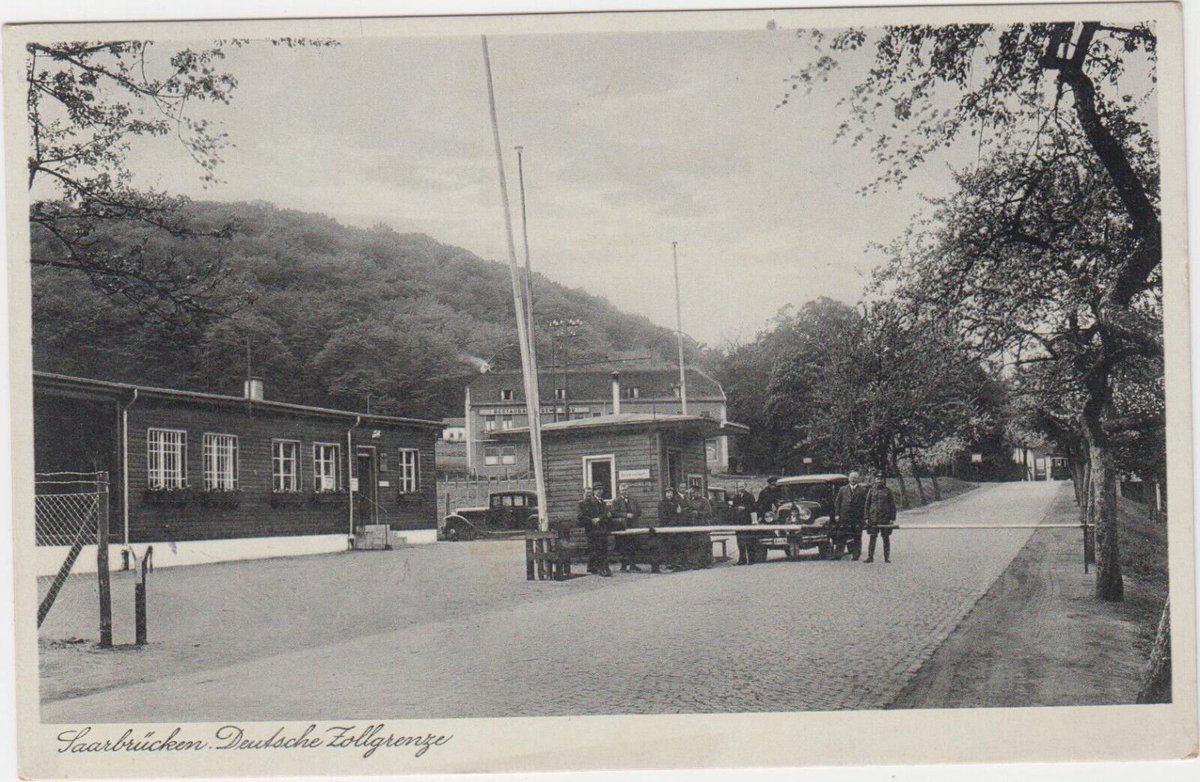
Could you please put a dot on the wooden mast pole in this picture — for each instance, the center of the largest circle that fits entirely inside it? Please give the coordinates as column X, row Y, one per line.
column 528, row 368
column 679, row 331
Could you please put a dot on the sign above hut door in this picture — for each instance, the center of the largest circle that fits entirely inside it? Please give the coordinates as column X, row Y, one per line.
column 365, row 469
column 600, row 470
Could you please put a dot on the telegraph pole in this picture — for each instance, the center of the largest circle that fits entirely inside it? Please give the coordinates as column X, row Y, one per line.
column 528, row 365
column 679, row 331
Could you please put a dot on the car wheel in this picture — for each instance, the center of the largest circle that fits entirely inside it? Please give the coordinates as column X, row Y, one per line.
column 824, row 551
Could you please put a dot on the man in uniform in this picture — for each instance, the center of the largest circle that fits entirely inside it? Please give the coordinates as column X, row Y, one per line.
column 743, row 504
column 670, row 514
column 625, row 513
column 850, row 509
column 881, row 509
column 596, row 520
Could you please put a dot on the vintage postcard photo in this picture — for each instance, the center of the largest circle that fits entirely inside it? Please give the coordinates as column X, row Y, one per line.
column 598, row 391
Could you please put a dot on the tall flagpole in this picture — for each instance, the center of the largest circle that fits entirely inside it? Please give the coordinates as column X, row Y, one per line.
column 528, row 369
column 679, row 330
column 528, row 270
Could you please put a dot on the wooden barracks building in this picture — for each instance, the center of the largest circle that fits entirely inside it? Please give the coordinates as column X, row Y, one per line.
column 495, row 403
column 206, row 477
column 646, row 452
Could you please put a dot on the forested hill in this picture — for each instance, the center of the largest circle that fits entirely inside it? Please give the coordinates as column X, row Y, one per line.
column 338, row 313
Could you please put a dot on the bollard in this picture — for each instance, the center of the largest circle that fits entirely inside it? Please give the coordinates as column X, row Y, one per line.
column 139, row 610
column 139, row 598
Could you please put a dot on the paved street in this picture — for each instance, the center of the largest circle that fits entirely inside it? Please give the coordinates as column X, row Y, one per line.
column 811, row 635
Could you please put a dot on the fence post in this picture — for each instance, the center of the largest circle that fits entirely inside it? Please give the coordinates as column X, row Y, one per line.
column 102, row 560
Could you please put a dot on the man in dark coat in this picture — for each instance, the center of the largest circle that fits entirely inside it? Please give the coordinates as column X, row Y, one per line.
column 596, row 520
column 769, row 497
column 743, row 505
column 625, row 513
column 670, row 514
column 850, row 508
column 881, row 510
column 698, row 549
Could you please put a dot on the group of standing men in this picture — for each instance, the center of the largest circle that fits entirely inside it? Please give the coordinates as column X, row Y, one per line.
column 856, row 508
column 859, row 506
column 682, row 551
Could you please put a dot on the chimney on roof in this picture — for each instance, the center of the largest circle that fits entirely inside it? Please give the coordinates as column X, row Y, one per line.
column 616, row 392
column 253, row 389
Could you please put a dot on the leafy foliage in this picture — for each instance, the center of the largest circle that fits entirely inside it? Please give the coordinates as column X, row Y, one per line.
column 338, row 313
column 85, row 103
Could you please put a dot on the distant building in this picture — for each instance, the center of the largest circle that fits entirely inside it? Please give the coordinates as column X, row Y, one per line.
column 450, row 451
column 495, row 402
column 1040, row 463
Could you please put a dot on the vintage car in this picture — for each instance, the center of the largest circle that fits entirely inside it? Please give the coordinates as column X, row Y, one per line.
column 808, row 502
column 506, row 512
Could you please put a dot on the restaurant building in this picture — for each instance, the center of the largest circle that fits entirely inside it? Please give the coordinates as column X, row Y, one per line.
column 494, row 402
column 207, row 477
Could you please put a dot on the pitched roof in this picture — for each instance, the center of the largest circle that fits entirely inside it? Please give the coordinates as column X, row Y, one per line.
column 111, row 389
column 595, row 385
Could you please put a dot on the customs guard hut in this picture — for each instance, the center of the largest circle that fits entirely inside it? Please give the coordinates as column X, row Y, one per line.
column 206, row 477
column 644, row 451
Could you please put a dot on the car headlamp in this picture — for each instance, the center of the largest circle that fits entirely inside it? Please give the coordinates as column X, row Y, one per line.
column 805, row 513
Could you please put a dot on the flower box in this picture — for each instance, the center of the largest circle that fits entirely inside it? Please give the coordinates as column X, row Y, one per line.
column 220, row 498
column 280, row 499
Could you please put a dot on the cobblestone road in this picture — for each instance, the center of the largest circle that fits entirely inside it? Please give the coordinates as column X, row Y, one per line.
column 785, row 636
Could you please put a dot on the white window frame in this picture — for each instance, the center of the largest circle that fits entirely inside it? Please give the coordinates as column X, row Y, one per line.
column 633, row 392
column 508, row 455
column 491, row 457
column 157, row 476
column 320, row 474
column 588, row 461
column 506, row 422
column 280, row 480
column 220, row 461
column 506, row 395
column 489, row 423
column 408, row 470
column 560, row 393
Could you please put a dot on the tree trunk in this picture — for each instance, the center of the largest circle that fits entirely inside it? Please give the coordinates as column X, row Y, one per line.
column 1077, row 480
column 917, row 480
column 904, row 503
column 937, row 490
column 1156, row 682
column 1103, row 500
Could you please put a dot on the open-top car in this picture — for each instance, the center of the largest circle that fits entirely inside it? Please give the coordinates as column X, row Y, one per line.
column 808, row 503
column 507, row 512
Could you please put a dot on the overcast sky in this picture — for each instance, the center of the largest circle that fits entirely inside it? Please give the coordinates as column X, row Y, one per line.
column 632, row 141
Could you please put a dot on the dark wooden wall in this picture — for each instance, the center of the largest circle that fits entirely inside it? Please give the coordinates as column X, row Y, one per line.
column 254, row 515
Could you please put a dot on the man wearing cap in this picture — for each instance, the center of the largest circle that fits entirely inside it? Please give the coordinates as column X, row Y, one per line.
column 880, row 511
column 850, row 508
column 596, row 521
column 625, row 513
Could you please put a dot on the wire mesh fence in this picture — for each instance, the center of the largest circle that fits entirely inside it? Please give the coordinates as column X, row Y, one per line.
column 70, row 531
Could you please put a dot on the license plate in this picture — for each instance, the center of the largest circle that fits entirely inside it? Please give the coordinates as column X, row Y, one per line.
column 779, row 541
